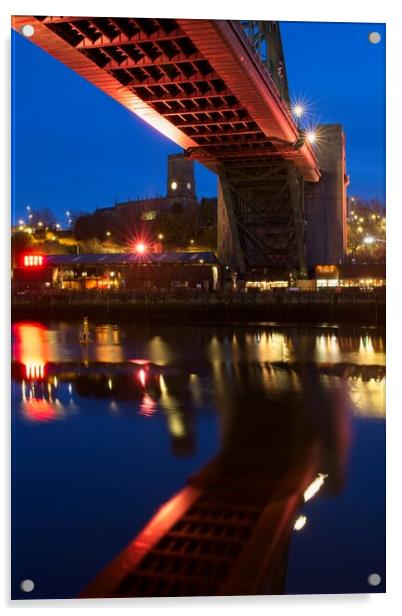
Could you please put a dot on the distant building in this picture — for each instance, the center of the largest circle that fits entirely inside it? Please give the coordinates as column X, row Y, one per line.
column 165, row 270
column 180, row 197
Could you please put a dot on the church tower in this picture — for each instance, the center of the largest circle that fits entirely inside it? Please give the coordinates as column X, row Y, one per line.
column 181, row 182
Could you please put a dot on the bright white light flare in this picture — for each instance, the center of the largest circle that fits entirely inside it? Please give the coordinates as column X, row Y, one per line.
column 314, row 487
column 300, row 522
column 298, row 111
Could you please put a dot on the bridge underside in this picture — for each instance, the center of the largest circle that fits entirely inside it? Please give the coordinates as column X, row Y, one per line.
column 204, row 84
column 260, row 217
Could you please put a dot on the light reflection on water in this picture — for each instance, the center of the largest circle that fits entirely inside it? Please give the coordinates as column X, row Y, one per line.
column 186, row 384
column 273, row 356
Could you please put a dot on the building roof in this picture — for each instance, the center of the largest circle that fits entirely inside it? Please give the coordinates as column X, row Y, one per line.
column 132, row 258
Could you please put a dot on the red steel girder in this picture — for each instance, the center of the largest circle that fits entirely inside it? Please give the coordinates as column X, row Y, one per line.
column 225, row 46
column 73, row 58
column 162, row 60
column 180, row 79
column 222, row 44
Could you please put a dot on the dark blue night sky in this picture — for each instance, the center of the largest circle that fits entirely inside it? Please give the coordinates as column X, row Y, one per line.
column 76, row 149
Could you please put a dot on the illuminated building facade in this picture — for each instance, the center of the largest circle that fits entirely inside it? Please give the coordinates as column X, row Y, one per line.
column 141, row 270
column 362, row 275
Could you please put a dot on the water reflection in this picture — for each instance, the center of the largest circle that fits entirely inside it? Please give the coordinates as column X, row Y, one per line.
column 285, row 400
column 273, row 359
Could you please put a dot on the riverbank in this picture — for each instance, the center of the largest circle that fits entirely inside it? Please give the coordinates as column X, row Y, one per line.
column 357, row 308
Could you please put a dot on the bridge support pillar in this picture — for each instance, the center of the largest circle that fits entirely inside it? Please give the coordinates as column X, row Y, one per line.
column 326, row 232
column 261, row 218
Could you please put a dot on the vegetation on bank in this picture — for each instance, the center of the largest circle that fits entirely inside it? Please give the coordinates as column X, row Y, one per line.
column 177, row 230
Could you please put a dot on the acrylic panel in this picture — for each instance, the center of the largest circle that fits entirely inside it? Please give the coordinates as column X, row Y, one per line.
column 198, row 307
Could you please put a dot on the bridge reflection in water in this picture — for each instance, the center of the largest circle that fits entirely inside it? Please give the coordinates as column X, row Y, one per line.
column 285, row 435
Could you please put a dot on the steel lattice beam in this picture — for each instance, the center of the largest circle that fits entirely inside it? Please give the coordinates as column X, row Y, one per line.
column 181, row 76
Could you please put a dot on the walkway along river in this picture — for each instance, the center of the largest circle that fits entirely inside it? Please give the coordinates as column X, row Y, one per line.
column 349, row 307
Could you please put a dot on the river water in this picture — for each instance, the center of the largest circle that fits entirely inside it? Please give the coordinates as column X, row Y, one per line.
column 104, row 433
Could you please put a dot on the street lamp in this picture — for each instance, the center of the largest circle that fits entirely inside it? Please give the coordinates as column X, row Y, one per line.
column 369, row 240
column 108, row 233
column 160, row 236
column 311, row 137
column 298, row 110
column 140, row 248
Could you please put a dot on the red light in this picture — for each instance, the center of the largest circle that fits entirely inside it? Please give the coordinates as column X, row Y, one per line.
column 142, row 377
column 39, row 409
column 140, row 248
column 33, row 260
column 148, row 406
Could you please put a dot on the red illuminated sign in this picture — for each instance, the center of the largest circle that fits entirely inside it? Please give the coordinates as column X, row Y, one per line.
column 33, row 260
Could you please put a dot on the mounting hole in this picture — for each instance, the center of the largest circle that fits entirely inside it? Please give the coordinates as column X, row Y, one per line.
column 27, row 585
column 374, row 579
column 28, row 30
column 374, row 37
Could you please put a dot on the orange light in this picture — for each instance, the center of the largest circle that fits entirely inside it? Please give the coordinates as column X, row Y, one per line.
column 34, row 370
column 140, row 248
column 31, row 349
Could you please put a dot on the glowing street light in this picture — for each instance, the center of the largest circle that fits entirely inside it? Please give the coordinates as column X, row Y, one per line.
column 300, row 522
column 298, row 110
column 369, row 240
column 140, row 248
column 311, row 137
column 191, row 242
column 160, row 236
column 314, row 487
column 108, row 233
